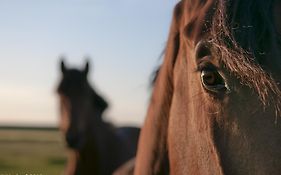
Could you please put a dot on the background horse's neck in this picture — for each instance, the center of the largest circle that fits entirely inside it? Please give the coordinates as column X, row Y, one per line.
column 102, row 145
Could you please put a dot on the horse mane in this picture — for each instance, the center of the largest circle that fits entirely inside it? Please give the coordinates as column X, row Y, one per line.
column 172, row 47
column 153, row 152
column 98, row 101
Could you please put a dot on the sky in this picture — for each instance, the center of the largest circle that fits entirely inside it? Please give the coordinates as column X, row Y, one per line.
column 123, row 38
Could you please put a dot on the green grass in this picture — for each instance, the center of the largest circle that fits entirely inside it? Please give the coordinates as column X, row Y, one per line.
column 36, row 152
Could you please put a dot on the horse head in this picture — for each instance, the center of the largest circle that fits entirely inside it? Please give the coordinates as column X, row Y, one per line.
column 81, row 107
column 215, row 107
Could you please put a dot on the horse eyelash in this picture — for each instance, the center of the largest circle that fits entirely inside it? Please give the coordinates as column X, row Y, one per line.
column 206, row 66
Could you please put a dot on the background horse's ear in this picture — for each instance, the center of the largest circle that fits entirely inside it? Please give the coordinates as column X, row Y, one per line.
column 87, row 67
column 62, row 65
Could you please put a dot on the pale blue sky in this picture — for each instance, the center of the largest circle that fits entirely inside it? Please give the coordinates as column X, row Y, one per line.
column 124, row 39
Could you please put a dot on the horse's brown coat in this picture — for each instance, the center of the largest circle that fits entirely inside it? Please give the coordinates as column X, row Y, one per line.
column 202, row 133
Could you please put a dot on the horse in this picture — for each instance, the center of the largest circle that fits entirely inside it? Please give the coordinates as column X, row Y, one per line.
column 215, row 106
column 96, row 147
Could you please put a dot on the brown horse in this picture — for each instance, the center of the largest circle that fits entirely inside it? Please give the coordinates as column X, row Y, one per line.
column 96, row 147
column 216, row 103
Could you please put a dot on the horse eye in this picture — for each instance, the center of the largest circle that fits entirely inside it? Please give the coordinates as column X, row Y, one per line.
column 213, row 81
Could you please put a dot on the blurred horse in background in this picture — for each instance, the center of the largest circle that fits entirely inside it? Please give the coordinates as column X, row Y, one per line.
column 216, row 103
column 96, row 147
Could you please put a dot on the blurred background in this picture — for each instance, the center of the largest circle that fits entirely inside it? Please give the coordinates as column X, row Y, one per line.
column 123, row 38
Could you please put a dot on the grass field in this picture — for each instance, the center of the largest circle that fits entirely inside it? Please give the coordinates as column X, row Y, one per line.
column 31, row 151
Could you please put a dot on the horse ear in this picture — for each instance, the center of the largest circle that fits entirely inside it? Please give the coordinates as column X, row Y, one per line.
column 62, row 66
column 87, row 67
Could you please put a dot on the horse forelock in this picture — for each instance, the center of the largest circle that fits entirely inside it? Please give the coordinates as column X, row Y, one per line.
column 242, row 33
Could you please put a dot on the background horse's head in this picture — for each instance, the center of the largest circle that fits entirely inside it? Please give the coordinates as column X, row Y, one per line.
column 216, row 102
column 81, row 107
